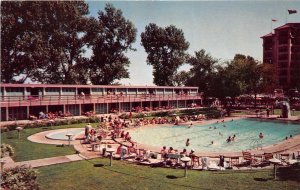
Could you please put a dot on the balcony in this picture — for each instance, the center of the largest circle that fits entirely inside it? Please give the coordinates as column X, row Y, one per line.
column 13, row 101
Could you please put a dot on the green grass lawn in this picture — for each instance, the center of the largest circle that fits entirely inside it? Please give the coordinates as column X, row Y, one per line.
column 95, row 174
column 27, row 150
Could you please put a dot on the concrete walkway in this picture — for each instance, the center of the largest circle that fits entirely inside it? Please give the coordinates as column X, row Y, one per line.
column 45, row 161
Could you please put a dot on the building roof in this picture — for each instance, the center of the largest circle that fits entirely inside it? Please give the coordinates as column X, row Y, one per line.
column 93, row 86
column 267, row 35
column 288, row 25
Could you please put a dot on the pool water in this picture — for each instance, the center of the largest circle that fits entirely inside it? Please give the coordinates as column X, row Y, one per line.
column 61, row 135
column 246, row 131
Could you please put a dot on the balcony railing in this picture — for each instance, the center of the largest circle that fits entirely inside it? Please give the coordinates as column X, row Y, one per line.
column 10, row 101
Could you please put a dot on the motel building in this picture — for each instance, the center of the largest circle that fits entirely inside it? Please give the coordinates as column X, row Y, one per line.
column 19, row 101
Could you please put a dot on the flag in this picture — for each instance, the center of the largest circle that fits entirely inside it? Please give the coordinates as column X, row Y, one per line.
column 274, row 20
column 292, row 11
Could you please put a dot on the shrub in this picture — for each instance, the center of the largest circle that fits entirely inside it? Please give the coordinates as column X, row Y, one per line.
column 93, row 119
column 20, row 177
column 7, row 149
column 124, row 116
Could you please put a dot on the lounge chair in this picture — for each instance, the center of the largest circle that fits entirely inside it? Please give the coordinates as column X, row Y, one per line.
column 208, row 165
column 249, row 159
column 174, row 158
column 265, row 159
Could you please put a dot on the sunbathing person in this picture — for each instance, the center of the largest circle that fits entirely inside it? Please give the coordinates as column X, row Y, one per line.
column 171, row 150
column 164, row 152
column 192, row 153
column 184, row 152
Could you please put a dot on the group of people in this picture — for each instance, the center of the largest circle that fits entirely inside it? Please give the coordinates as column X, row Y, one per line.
column 51, row 115
column 164, row 152
column 230, row 139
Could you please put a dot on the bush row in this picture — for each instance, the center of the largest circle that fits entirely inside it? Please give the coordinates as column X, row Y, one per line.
column 209, row 112
column 48, row 123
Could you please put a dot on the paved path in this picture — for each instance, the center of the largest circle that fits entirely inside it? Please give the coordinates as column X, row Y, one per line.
column 45, row 161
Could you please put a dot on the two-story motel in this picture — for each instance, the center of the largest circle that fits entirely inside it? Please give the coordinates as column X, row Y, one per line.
column 19, row 101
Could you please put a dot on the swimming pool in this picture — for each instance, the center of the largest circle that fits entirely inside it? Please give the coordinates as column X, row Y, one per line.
column 246, row 131
column 61, row 134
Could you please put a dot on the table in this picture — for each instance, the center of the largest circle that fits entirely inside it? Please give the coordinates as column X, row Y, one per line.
column 233, row 160
column 69, row 135
column 275, row 161
column 19, row 129
column 185, row 160
column 110, row 151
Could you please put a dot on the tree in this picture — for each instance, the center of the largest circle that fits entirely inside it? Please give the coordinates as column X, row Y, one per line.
column 110, row 37
column 166, row 52
column 253, row 76
column 225, row 83
column 43, row 41
column 14, row 42
column 202, row 71
column 180, row 79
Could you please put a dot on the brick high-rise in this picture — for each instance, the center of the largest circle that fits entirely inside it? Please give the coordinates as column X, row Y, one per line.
column 282, row 49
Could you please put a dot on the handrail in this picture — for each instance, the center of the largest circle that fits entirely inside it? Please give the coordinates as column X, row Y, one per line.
column 66, row 99
column 254, row 144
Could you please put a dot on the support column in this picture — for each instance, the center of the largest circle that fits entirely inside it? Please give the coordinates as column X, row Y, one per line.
column 94, row 107
column 80, row 109
column 47, row 108
column 27, row 111
column 44, row 91
column 64, row 109
column 7, row 114
column 106, row 108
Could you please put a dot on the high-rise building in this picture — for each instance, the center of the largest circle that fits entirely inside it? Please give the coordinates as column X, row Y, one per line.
column 282, row 49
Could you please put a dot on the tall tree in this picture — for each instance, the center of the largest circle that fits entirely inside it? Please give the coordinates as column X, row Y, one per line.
column 16, row 41
column 254, row 76
column 43, row 41
column 110, row 37
column 166, row 51
column 202, row 71
column 225, row 83
column 180, row 79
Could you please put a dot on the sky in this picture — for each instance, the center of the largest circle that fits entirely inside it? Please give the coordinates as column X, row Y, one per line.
column 221, row 28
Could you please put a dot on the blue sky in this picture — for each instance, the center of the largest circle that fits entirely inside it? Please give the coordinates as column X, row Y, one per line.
column 221, row 28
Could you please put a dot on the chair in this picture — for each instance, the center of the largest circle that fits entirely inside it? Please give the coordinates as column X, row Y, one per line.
column 247, row 157
column 207, row 165
column 174, row 158
column 195, row 160
column 265, row 159
column 284, row 157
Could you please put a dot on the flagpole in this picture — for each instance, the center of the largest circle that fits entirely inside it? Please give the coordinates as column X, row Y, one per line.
column 271, row 26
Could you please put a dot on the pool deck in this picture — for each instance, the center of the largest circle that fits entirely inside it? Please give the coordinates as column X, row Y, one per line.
column 292, row 145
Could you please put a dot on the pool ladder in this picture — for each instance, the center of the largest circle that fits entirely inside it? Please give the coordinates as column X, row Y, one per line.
column 256, row 144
